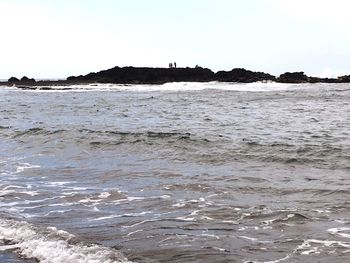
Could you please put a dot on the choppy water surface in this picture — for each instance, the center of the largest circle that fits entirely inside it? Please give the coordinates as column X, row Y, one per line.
column 176, row 173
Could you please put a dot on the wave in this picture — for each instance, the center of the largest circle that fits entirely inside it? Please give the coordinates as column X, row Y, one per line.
column 49, row 245
column 178, row 86
column 293, row 153
column 221, row 148
column 36, row 131
column 147, row 133
column 107, row 137
column 161, row 134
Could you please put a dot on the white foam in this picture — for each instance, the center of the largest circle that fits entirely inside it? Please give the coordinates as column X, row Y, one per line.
column 104, row 195
column 201, row 200
column 182, row 86
column 217, row 248
column 255, row 240
column 23, row 166
column 270, row 261
column 105, row 217
column 31, row 193
column 339, row 231
column 137, row 224
column 58, row 183
column 134, row 232
column 56, row 212
column 122, row 215
column 185, row 218
column 306, row 247
column 135, row 198
column 52, row 245
column 14, row 186
column 197, row 86
column 89, row 201
column 7, row 191
column 207, row 234
column 78, row 188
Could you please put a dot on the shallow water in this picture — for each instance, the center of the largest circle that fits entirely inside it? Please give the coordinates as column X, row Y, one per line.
column 182, row 172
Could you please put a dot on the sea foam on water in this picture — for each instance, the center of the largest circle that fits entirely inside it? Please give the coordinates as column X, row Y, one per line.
column 52, row 246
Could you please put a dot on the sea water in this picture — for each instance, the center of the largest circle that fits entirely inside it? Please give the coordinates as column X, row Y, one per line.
column 180, row 172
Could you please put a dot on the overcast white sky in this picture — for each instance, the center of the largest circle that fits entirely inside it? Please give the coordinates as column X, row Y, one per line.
column 56, row 39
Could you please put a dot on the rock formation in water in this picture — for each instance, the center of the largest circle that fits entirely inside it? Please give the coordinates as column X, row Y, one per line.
column 300, row 77
column 163, row 75
column 13, row 80
column 133, row 75
column 293, row 77
column 146, row 75
column 344, row 79
column 243, row 75
column 26, row 80
column 23, row 80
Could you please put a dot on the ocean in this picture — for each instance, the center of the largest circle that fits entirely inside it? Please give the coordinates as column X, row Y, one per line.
column 180, row 172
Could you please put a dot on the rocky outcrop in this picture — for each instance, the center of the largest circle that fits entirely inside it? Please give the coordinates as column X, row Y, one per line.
column 26, row 80
column 300, row 77
column 344, row 79
column 293, row 77
column 146, row 75
column 23, row 80
column 13, row 80
column 133, row 75
column 323, row 80
column 243, row 75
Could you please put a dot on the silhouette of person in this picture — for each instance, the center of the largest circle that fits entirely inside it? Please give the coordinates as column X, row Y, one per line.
column 174, row 64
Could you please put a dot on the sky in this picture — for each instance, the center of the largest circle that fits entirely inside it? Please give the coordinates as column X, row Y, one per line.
column 60, row 38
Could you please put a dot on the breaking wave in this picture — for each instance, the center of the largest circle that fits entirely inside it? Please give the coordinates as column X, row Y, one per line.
column 49, row 245
column 174, row 86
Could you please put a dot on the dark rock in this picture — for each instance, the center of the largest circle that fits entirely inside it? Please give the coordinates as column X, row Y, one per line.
column 242, row 75
column 322, row 80
column 133, row 75
column 293, row 77
column 27, row 80
column 13, row 80
column 146, row 75
column 344, row 79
